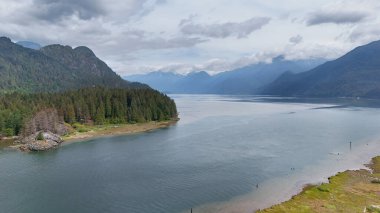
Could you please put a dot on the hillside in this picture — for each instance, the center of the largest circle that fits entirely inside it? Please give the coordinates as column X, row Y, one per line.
column 53, row 68
column 96, row 105
column 245, row 80
column 356, row 74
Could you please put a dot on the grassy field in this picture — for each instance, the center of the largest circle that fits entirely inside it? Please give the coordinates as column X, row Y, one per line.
column 350, row 191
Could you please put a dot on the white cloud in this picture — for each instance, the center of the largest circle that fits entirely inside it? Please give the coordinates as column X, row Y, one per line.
column 138, row 35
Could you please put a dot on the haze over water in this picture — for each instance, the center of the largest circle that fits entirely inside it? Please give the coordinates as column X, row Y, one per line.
column 211, row 161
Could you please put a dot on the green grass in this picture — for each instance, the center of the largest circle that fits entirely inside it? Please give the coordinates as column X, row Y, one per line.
column 350, row 191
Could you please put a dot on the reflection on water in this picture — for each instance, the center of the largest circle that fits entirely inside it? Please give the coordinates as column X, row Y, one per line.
column 211, row 160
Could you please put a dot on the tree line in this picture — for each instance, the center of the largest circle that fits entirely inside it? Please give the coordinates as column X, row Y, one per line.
column 96, row 106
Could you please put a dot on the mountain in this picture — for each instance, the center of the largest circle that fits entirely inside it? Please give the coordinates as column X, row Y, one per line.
column 169, row 82
column 245, row 80
column 250, row 79
column 53, row 68
column 356, row 74
column 162, row 81
column 29, row 44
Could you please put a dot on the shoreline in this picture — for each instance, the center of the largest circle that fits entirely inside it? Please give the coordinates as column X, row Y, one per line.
column 349, row 191
column 281, row 189
column 100, row 131
column 116, row 130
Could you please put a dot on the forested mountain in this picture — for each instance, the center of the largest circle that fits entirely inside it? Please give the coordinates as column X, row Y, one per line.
column 245, row 80
column 40, row 89
column 356, row 74
column 53, row 68
column 87, row 106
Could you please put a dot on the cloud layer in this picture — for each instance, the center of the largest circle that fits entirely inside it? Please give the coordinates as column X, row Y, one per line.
column 135, row 36
column 336, row 17
column 53, row 10
column 238, row 30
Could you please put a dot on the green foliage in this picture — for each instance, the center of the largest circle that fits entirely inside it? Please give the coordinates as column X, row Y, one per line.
column 80, row 127
column 40, row 137
column 96, row 105
column 373, row 209
column 54, row 68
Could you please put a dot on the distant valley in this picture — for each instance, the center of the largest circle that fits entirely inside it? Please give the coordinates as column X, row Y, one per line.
column 356, row 74
column 246, row 80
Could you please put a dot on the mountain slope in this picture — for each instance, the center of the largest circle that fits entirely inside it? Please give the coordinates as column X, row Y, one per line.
column 356, row 74
column 246, row 80
column 162, row 81
column 53, row 68
column 250, row 79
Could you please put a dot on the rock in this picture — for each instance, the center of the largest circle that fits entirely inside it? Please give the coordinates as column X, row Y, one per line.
column 42, row 145
column 50, row 141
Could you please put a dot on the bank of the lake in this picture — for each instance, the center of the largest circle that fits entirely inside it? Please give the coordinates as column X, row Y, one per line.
column 97, row 131
column 349, row 191
column 88, row 132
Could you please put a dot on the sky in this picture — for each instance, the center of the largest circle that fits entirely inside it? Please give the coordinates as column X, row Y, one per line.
column 139, row 36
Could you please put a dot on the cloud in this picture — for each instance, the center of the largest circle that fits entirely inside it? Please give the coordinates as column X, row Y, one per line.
column 336, row 17
column 56, row 10
column 139, row 35
column 229, row 29
column 138, row 40
column 365, row 33
column 290, row 52
column 217, row 65
column 296, row 39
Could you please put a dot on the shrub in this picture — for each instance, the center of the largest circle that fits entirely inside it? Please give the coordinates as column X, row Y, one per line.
column 40, row 137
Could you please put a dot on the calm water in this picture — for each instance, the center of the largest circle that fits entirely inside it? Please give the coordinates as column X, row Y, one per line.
column 211, row 160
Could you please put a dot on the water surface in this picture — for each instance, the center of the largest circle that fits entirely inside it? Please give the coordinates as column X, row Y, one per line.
column 212, row 160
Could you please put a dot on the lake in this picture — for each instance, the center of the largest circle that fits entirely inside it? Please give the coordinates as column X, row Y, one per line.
column 227, row 153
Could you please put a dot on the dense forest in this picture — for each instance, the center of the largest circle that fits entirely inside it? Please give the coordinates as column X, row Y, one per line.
column 96, row 105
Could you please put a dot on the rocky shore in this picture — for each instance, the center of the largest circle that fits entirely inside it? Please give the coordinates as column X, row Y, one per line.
column 47, row 140
column 39, row 141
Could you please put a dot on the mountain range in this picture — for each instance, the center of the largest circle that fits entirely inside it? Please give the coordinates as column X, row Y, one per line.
column 29, row 44
column 246, row 80
column 356, row 74
column 54, row 68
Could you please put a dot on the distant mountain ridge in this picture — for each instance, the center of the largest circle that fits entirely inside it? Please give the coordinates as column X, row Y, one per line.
column 356, row 74
column 29, row 44
column 54, row 68
column 245, row 80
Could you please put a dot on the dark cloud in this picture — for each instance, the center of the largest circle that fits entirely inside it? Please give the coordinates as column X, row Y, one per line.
column 230, row 29
column 56, row 10
column 296, row 39
column 337, row 17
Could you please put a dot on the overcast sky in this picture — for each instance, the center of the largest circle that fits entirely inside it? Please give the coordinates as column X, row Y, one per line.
column 137, row 36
